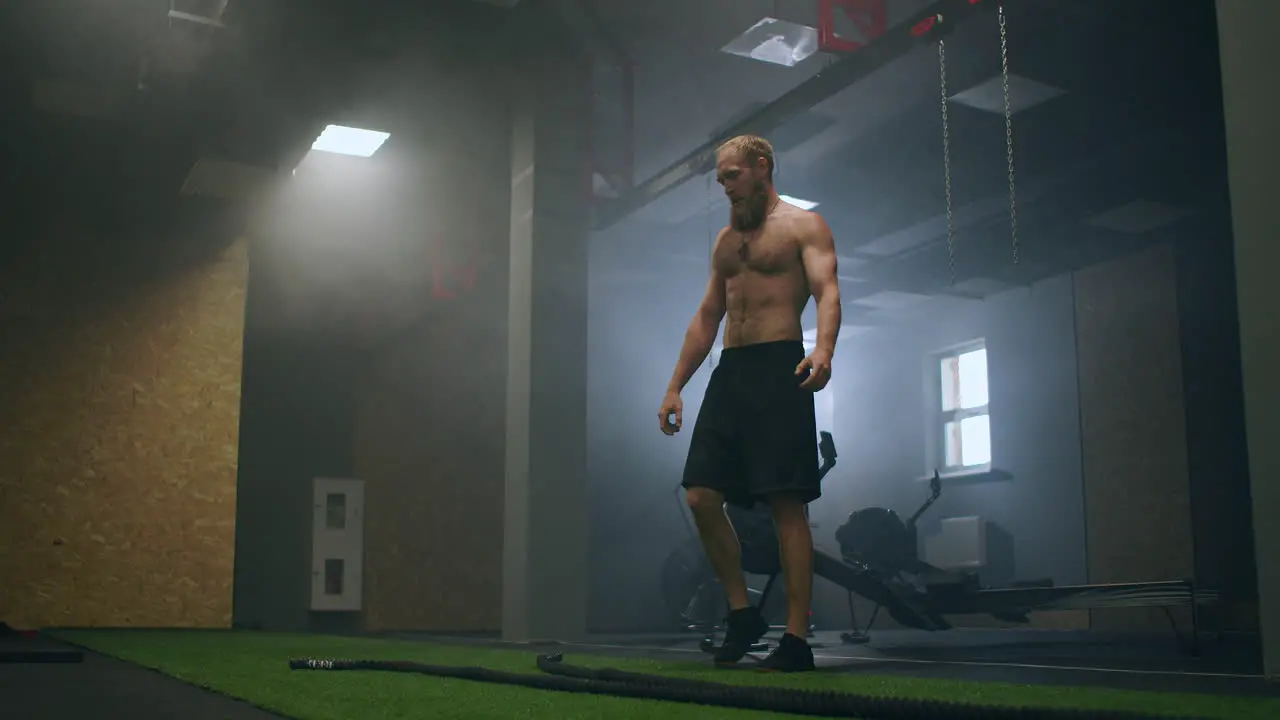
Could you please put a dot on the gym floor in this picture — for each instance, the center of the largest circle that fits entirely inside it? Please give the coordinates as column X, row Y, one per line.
column 989, row 665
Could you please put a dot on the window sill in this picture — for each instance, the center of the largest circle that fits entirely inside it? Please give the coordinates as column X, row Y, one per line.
column 974, row 476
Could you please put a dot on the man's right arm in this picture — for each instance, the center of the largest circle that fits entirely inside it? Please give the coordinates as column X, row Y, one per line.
column 701, row 334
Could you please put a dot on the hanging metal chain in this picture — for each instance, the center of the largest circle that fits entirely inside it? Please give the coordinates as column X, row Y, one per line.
column 1008, row 133
column 946, row 158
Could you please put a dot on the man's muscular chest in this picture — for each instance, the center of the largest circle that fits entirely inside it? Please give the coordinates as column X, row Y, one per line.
column 771, row 252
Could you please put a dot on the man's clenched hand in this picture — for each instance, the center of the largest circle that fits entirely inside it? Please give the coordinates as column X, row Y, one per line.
column 671, row 406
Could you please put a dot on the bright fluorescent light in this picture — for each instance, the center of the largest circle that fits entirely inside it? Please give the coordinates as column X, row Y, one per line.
column 775, row 41
column 1137, row 217
column 1023, row 93
column 802, row 204
column 349, row 141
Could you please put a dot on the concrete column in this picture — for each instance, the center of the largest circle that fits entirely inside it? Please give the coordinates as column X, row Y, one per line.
column 546, row 529
column 1251, row 104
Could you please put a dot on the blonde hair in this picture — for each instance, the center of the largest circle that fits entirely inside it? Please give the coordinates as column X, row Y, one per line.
column 751, row 148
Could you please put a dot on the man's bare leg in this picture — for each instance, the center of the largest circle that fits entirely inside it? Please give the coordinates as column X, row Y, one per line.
column 795, row 541
column 720, row 543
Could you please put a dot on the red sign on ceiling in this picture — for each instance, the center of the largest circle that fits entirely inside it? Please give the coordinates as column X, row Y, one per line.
column 868, row 16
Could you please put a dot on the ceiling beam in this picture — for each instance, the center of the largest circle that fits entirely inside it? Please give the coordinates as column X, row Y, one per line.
column 895, row 43
column 581, row 18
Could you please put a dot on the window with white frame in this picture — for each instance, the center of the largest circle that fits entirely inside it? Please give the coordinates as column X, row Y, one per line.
column 964, row 426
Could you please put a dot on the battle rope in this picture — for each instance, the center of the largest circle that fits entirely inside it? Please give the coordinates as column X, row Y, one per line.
column 569, row 678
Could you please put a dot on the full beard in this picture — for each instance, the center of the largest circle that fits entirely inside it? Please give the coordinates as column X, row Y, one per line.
column 750, row 213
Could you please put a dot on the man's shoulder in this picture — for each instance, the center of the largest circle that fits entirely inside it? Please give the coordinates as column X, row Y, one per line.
column 810, row 220
column 811, row 226
column 804, row 224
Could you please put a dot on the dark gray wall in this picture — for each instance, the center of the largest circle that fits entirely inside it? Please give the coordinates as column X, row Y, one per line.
column 881, row 400
column 295, row 424
column 1253, row 148
column 309, row 353
column 636, row 323
column 1217, row 454
column 545, row 521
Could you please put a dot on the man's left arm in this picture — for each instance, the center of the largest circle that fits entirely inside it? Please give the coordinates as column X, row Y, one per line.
column 818, row 252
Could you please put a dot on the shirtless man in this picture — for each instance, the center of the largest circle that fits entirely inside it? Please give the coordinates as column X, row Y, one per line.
column 755, row 436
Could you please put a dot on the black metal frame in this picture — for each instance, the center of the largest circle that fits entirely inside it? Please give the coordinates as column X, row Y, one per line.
column 926, row 26
column 960, row 594
column 1165, row 595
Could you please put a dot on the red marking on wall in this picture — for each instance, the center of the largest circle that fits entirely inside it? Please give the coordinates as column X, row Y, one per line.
column 451, row 277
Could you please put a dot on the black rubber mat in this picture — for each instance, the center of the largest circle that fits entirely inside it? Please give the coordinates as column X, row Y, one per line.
column 18, row 646
column 101, row 688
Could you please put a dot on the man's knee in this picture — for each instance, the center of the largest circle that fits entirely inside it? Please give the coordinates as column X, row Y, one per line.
column 704, row 500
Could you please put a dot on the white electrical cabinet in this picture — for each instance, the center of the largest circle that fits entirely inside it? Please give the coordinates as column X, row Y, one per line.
column 337, row 544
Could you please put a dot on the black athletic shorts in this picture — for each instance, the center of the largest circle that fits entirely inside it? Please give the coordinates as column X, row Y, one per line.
column 756, row 434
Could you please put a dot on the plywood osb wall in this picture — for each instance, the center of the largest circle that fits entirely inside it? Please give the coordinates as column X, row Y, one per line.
column 428, row 443
column 119, row 415
column 1133, row 429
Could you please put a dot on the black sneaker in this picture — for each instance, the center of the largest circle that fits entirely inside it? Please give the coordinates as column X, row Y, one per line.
column 745, row 628
column 793, row 654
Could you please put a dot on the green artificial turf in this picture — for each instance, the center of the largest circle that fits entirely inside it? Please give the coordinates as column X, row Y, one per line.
column 254, row 667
